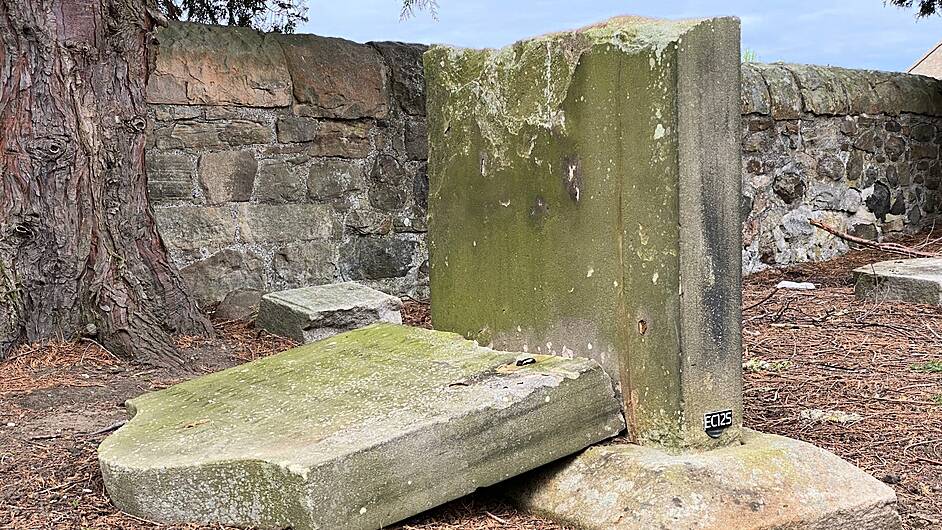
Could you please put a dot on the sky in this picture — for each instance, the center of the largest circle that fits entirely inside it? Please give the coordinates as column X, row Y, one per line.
column 849, row 33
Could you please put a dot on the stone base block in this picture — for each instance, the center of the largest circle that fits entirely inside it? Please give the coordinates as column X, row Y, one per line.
column 916, row 280
column 314, row 313
column 768, row 482
column 354, row 432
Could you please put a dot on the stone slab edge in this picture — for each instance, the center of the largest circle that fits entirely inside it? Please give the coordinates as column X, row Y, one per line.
column 769, row 483
column 905, row 280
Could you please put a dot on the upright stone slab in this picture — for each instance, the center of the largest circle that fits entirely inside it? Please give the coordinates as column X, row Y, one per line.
column 584, row 198
column 354, row 432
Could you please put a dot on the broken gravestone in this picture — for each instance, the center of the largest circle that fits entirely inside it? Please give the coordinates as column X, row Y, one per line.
column 917, row 280
column 584, row 201
column 313, row 313
column 357, row 431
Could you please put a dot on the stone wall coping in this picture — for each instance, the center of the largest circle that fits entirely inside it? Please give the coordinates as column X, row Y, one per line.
column 785, row 91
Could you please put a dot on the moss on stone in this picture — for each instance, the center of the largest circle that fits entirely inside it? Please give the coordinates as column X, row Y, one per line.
column 554, row 191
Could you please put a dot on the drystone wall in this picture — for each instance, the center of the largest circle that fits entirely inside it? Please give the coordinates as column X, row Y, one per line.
column 278, row 161
column 856, row 150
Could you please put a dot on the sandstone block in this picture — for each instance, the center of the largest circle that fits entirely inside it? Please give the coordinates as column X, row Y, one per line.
column 784, row 93
column 313, row 313
column 197, row 64
column 195, row 227
column 372, row 258
column 755, row 93
column 387, row 184
column 330, row 178
column 326, row 137
column 767, row 483
column 213, row 134
column 227, row 176
column 306, row 263
column 212, row 279
column 278, row 183
column 169, row 175
column 355, row 432
column 336, row 78
column 281, row 223
column 416, row 139
column 408, row 79
column 917, row 280
column 550, row 232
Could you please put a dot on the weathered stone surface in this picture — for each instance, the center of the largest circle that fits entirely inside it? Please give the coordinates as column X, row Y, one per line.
column 227, row 176
column 169, row 175
column 240, row 304
column 195, row 227
column 336, row 78
column 795, row 89
column 278, row 183
column 416, row 140
column 755, row 93
column 326, row 137
column 196, row 64
column 371, row 258
column 917, row 281
column 556, row 236
column 329, row 178
column 405, row 68
column 306, row 263
column 212, row 279
column 784, row 93
column 313, row 313
column 767, row 483
column 213, row 134
column 268, row 223
column 347, row 433
column 386, row 191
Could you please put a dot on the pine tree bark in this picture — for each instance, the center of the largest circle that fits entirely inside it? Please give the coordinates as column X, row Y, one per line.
column 79, row 248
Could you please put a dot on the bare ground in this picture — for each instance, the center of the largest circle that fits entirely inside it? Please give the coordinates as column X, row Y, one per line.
column 876, row 364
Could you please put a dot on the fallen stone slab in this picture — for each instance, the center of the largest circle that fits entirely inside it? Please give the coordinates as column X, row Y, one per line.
column 357, row 431
column 768, row 482
column 917, row 280
column 314, row 313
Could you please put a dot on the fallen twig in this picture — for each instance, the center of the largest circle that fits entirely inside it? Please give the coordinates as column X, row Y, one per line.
column 893, row 248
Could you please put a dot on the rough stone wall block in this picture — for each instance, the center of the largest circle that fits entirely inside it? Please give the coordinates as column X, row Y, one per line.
column 196, row 64
column 584, row 201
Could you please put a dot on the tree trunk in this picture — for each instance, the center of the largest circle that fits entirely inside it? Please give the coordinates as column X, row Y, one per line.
column 79, row 249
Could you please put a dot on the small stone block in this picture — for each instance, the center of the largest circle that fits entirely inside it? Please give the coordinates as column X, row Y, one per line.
column 313, row 313
column 768, row 482
column 917, row 281
column 354, row 432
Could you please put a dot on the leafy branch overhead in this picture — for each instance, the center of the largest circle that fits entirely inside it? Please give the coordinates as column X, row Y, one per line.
column 282, row 16
column 924, row 7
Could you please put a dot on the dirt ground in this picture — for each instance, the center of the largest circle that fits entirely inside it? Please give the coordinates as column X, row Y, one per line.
column 861, row 379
